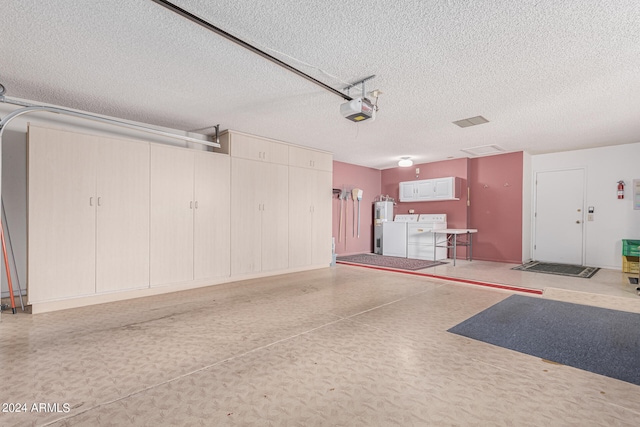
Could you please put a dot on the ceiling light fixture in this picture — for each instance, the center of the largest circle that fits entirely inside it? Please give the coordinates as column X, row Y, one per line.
column 405, row 162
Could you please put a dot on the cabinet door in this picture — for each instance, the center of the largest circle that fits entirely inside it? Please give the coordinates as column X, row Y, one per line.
column 312, row 159
column 246, row 221
column 321, row 251
column 443, row 188
column 424, row 189
column 122, row 250
column 407, row 191
column 274, row 184
column 301, row 182
column 61, row 214
column 255, row 148
column 171, row 215
column 212, row 216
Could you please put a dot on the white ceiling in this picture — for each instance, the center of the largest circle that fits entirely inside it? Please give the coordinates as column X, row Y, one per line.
column 549, row 75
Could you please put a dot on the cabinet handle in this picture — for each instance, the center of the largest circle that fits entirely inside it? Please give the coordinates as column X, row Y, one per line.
column 99, row 201
column 191, row 205
column 90, row 201
column 196, row 204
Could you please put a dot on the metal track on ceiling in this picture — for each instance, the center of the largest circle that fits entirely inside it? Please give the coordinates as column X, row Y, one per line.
column 209, row 26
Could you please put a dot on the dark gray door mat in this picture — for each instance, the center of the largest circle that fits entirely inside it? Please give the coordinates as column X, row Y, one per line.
column 389, row 261
column 559, row 269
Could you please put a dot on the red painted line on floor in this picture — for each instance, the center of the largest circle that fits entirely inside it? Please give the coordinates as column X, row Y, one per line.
column 451, row 279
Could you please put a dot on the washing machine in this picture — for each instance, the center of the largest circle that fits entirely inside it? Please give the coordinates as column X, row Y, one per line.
column 420, row 237
column 394, row 235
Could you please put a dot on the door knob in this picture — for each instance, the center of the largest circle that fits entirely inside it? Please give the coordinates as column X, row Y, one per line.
column 578, row 222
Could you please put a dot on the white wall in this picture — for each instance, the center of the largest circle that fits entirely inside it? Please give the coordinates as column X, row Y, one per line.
column 614, row 219
column 527, row 207
column 14, row 197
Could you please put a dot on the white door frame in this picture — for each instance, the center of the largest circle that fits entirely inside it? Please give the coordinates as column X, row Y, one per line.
column 535, row 208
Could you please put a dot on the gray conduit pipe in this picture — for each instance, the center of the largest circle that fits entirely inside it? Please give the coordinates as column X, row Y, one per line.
column 26, row 110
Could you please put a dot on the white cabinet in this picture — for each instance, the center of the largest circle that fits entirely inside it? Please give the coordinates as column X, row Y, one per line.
column 310, row 184
column 189, row 210
column 107, row 215
column 408, row 192
column 430, row 190
column 88, row 214
column 211, row 215
column 259, row 224
column 309, row 217
column 122, row 236
column 251, row 147
column 312, row 159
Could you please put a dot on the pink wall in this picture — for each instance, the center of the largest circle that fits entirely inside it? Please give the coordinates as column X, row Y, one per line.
column 495, row 186
column 496, row 207
column 456, row 210
column 347, row 176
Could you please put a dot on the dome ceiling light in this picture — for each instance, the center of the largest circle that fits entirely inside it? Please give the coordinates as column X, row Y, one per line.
column 405, row 162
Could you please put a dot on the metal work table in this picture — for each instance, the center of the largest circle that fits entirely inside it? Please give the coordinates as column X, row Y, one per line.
column 451, row 240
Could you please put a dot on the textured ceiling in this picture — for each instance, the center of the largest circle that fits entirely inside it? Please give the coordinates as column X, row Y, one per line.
column 548, row 75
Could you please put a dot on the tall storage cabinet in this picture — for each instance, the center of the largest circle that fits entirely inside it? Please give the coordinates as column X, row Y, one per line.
column 212, row 216
column 88, row 229
column 259, row 201
column 310, row 183
column 112, row 218
column 122, row 246
column 189, row 208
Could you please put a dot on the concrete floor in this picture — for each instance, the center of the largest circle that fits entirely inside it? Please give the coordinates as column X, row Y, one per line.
column 342, row 346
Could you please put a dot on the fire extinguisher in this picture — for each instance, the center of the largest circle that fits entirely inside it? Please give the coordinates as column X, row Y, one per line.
column 620, row 189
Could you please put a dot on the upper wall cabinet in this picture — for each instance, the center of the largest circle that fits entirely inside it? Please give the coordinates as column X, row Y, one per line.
column 254, row 148
column 428, row 190
column 310, row 159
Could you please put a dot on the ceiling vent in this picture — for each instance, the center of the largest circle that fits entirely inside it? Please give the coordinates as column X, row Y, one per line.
column 484, row 150
column 471, row 121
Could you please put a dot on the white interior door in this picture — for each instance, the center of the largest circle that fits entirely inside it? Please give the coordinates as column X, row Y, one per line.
column 559, row 216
